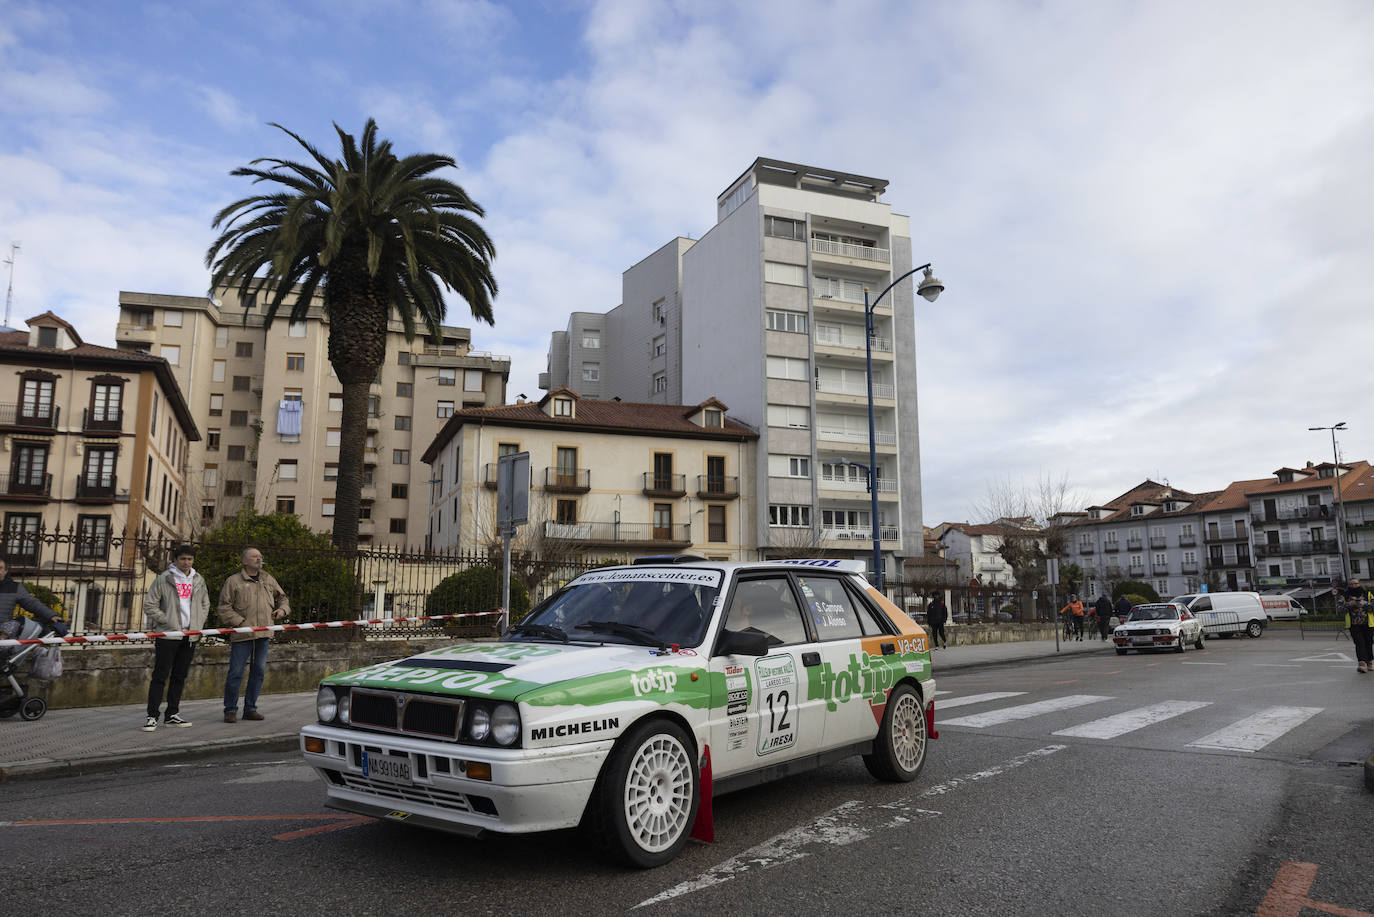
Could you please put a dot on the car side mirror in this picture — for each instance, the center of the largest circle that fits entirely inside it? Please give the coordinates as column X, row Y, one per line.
column 739, row 643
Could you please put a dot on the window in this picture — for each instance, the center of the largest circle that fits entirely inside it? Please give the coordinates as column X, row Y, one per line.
column 405, row 389
column 398, row 526
column 250, row 302
column 238, row 418
column 106, row 402
column 831, row 609
column 400, row 456
column 28, row 469
column 233, row 488
column 1137, row 562
column 243, row 349
column 660, row 345
column 212, row 439
column 789, row 415
column 472, row 380
column 216, row 405
column 767, row 605
column 236, row 453
column 331, row 471
column 295, row 362
column 210, row 476
column 565, row 512
column 335, row 403
column 171, row 318
column 787, row 368
column 443, row 409
column 591, row 341
column 789, row 515
column 790, row 274
column 448, row 376
column 663, row 521
column 327, row 506
column 171, row 353
column 287, row 470
column 286, row 505
column 292, row 394
column 400, row 491
column 92, row 537
column 364, row 512
column 402, row 422
column 331, row 436
column 656, row 310
column 217, row 370
column 562, row 407
column 786, row 321
column 715, row 522
column 713, row 417
column 660, row 383
column 295, row 330
column 781, row 228
column 504, row 449
column 591, row 372
column 789, row 466
column 207, row 511
column 403, row 358
column 241, row 383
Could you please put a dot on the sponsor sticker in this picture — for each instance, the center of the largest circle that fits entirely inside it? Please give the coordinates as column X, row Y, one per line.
column 777, row 676
column 692, row 577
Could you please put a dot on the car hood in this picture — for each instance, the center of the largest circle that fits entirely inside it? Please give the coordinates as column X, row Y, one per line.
column 538, row 673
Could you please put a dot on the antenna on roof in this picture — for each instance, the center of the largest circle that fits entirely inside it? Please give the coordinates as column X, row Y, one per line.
column 9, row 293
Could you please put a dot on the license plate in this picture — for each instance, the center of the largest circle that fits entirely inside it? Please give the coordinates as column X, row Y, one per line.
column 1142, row 639
column 386, row 768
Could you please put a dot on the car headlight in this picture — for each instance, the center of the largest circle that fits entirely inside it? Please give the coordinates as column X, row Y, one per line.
column 345, row 705
column 480, row 726
column 326, row 704
column 505, row 724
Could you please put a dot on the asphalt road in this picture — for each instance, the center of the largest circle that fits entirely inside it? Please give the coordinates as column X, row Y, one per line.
column 1214, row 782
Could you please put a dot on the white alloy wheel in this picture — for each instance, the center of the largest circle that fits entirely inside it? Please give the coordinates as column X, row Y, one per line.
column 658, row 793
column 909, row 732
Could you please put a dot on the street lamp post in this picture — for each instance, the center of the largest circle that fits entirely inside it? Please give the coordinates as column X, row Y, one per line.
column 930, row 289
column 1341, row 543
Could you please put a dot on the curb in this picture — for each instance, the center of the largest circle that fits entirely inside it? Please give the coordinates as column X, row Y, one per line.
column 76, row 767
column 985, row 663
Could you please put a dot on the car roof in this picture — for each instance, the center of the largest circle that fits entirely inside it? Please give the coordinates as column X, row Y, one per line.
column 812, row 564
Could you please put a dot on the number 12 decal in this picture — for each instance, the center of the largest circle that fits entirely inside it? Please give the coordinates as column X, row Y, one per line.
column 777, row 720
column 777, row 679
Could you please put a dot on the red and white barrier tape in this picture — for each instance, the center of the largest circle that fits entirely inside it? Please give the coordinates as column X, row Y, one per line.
column 213, row 631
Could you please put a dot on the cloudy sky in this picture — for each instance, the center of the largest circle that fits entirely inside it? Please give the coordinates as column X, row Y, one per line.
column 1155, row 220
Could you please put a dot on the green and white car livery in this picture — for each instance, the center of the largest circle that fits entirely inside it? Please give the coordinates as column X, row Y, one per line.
column 628, row 696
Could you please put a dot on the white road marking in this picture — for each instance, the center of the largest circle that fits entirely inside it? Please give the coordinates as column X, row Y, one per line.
column 1335, row 656
column 1112, row 726
column 1277, row 665
column 843, row 825
column 1255, row 732
column 1023, row 711
column 976, row 699
column 938, row 693
column 1204, row 663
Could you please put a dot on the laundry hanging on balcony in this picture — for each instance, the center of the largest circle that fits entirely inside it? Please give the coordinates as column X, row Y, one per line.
column 289, row 418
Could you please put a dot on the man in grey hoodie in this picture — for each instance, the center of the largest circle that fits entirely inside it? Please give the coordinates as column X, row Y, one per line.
column 178, row 600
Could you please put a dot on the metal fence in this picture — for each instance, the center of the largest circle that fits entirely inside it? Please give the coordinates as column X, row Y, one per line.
column 976, row 604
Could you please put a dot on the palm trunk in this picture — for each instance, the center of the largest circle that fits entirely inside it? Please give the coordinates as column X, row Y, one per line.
column 352, row 443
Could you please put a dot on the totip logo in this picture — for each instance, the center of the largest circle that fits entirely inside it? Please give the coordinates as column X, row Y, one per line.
column 653, row 680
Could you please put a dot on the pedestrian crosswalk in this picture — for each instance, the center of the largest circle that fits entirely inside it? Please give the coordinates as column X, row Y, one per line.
column 1250, row 733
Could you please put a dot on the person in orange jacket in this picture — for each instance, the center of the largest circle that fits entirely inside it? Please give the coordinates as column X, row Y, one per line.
column 1074, row 619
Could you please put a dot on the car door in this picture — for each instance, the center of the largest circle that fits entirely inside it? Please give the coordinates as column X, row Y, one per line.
column 759, row 715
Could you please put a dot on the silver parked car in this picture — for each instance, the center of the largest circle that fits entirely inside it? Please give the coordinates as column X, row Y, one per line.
column 1159, row 626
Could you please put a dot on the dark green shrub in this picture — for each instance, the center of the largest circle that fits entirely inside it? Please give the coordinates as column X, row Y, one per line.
column 1139, row 600
column 477, row 589
column 1129, row 588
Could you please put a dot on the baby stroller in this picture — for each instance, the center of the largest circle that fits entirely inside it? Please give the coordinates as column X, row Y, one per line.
column 14, row 694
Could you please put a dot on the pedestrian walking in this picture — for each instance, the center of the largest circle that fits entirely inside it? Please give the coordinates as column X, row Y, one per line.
column 1073, row 618
column 1359, row 620
column 1123, row 609
column 250, row 598
column 1104, row 614
column 14, row 596
column 938, row 614
column 178, row 600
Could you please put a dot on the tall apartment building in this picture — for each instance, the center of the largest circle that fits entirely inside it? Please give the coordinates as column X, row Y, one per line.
column 241, row 376
column 766, row 312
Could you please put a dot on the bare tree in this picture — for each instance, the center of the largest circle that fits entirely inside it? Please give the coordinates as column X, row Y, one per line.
column 1031, row 520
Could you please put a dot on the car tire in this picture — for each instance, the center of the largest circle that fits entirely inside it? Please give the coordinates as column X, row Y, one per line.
column 1182, row 645
column 899, row 751
column 1254, row 629
column 645, row 802
column 1121, row 651
column 1201, row 641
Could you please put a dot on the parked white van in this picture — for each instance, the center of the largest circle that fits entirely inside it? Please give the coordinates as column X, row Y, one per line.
column 1226, row 613
column 1282, row 607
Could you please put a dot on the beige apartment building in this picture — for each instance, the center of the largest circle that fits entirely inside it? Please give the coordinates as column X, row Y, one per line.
column 244, row 381
column 610, row 480
column 95, row 442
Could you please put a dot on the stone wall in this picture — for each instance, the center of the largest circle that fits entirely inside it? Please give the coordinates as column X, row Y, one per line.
column 980, row 634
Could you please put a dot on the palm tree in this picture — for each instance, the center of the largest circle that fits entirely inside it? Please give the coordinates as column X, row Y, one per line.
column 376, row 235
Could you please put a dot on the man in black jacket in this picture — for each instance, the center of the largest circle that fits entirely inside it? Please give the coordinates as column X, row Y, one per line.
column 938, row 614
column 1123, row 609
column 1104, row 614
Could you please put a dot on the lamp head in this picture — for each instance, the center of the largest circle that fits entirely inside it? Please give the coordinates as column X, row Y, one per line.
column 930, row 287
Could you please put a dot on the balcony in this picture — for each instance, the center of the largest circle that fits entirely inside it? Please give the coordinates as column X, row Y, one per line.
column 1159, row 541
column 1190, row 568
column 665, row 485
column 1086, row 548
column 846, row 483
column 1111, row 547
column 1159, row 569
column 856, row 389
column 1299, row 546
column 1218, row 563
column 98, row 422
column 567, row 481
column 135, row 333
column 96, row 488
column 1134, row 544
column 642, row 534
column 717, row 487
column 26, row 486
column 866, row 253
column 1321, row 511
column 22, row 417
column 881, row 437
column 1187, row 541
column 1226, row 533
column 826, row 337
column 858, row 533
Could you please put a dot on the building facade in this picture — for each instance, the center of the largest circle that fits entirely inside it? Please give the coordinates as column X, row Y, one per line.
column 766, row 311
column 96, row 443
column 242, row 379
column 610, row 480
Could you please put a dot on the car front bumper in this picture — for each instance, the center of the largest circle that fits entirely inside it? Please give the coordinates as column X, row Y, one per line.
column 1147, row 642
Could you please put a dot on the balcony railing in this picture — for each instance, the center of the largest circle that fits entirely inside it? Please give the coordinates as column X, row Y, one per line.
column 1216, row 563
column 1086, row 548
column 859, row 389
column 26, row 486
column 858, row 533
column 620, row 533
column 1322, row 511
column 1190, row 567
column 1159, row 541
column 1301, row 546
column 881, row 437
column 827, row 338
column 567, row 481
column 1111, row 547
column 1159, row 568
column 1134, row 544
column 96, row 487
column 848, row 250
column 717, row 486
column 108, row 421
column 1227, row 533
column 18, row 415
column 664, row 485
column 1187, row 541
column 844, row 482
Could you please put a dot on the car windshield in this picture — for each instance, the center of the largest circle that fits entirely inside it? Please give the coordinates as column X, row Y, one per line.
column 1154, row 613
column 650, row 607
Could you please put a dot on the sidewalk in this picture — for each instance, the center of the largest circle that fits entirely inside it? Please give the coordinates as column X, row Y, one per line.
column 79, row 741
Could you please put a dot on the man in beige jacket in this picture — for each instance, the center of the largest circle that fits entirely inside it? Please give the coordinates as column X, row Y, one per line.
column 250, row 598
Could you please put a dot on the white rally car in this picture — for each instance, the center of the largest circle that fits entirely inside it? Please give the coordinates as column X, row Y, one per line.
column 1159, row 626
column 629, row 698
